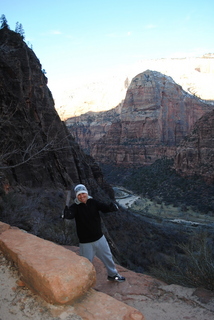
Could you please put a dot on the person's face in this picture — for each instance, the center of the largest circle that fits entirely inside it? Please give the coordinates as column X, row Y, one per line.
column 82, row 197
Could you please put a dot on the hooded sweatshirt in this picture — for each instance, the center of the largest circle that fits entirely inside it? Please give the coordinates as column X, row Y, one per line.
column 87, row 218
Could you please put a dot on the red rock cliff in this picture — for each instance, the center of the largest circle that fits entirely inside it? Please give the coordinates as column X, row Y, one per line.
column 195, row 155
column 155, row 116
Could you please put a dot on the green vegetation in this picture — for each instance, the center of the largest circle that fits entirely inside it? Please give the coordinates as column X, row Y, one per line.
column 194, row 269
column 160, row 181
column 184, row 260
column 4, row 23
column 19, row 29
column 38, row 212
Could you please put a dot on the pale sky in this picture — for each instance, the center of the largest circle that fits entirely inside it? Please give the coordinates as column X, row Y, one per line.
column 76, row 39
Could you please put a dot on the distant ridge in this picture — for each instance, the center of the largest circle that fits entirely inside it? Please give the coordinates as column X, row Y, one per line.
column 194, row 74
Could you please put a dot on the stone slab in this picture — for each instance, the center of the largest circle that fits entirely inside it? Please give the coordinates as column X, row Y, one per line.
column 97, row 306
column 56, row 274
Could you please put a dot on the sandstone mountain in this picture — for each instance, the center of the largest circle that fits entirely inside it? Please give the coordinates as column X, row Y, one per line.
column 36, row 148
column 155, row 116
column 107, row 90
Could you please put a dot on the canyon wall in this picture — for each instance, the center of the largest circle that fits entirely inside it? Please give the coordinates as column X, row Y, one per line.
column 195, row 154
column 36, row 147
column 154, row 118
column 106, row 90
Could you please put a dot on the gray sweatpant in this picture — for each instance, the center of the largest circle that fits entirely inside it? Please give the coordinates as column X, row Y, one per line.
column 99, row 248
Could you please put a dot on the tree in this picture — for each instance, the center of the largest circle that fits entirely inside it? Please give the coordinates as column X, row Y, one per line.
column 19, row 29
column 4, row 23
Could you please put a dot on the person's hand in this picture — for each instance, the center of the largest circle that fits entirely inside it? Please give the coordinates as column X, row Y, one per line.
column 65, row 212
column 114, row 207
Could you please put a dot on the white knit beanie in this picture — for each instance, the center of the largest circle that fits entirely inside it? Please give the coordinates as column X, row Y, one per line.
column 80, row 188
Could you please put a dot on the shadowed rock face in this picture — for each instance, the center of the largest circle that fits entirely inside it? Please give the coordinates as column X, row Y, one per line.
column 155, row 116
column 36, row 147
column 195, row 154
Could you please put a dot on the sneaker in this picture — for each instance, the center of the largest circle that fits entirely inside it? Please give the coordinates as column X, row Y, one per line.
column 117, row 278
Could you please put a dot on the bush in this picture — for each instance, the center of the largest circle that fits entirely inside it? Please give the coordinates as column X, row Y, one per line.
column 194, row 269
column 38, row 211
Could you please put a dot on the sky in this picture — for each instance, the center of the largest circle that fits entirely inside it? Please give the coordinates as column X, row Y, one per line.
column 80, row 39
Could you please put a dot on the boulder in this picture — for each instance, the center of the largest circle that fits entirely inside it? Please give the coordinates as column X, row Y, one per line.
column 4, row 227
column 57, row 275
column 61, row 277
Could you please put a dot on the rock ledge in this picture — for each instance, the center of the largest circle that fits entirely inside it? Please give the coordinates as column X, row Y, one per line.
column 60, row 276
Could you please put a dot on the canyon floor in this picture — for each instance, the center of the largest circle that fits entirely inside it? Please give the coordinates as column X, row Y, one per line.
column 155, row 299
column 127, row 199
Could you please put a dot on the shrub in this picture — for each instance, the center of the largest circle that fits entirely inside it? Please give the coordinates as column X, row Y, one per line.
column 195, row 268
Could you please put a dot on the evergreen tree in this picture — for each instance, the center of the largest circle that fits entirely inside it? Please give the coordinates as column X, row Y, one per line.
column 19, row 29
column 4, row 23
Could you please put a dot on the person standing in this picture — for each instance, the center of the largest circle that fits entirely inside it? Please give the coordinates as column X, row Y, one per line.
column 92, row 242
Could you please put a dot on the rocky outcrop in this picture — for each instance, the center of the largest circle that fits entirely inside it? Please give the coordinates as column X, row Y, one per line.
column 36, row 148
column 155, row 116
column 39, row 158
column 195, row 154
column 60, row 276
column 53, row 273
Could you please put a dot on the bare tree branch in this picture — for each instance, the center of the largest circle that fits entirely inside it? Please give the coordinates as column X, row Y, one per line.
column 27, row 151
